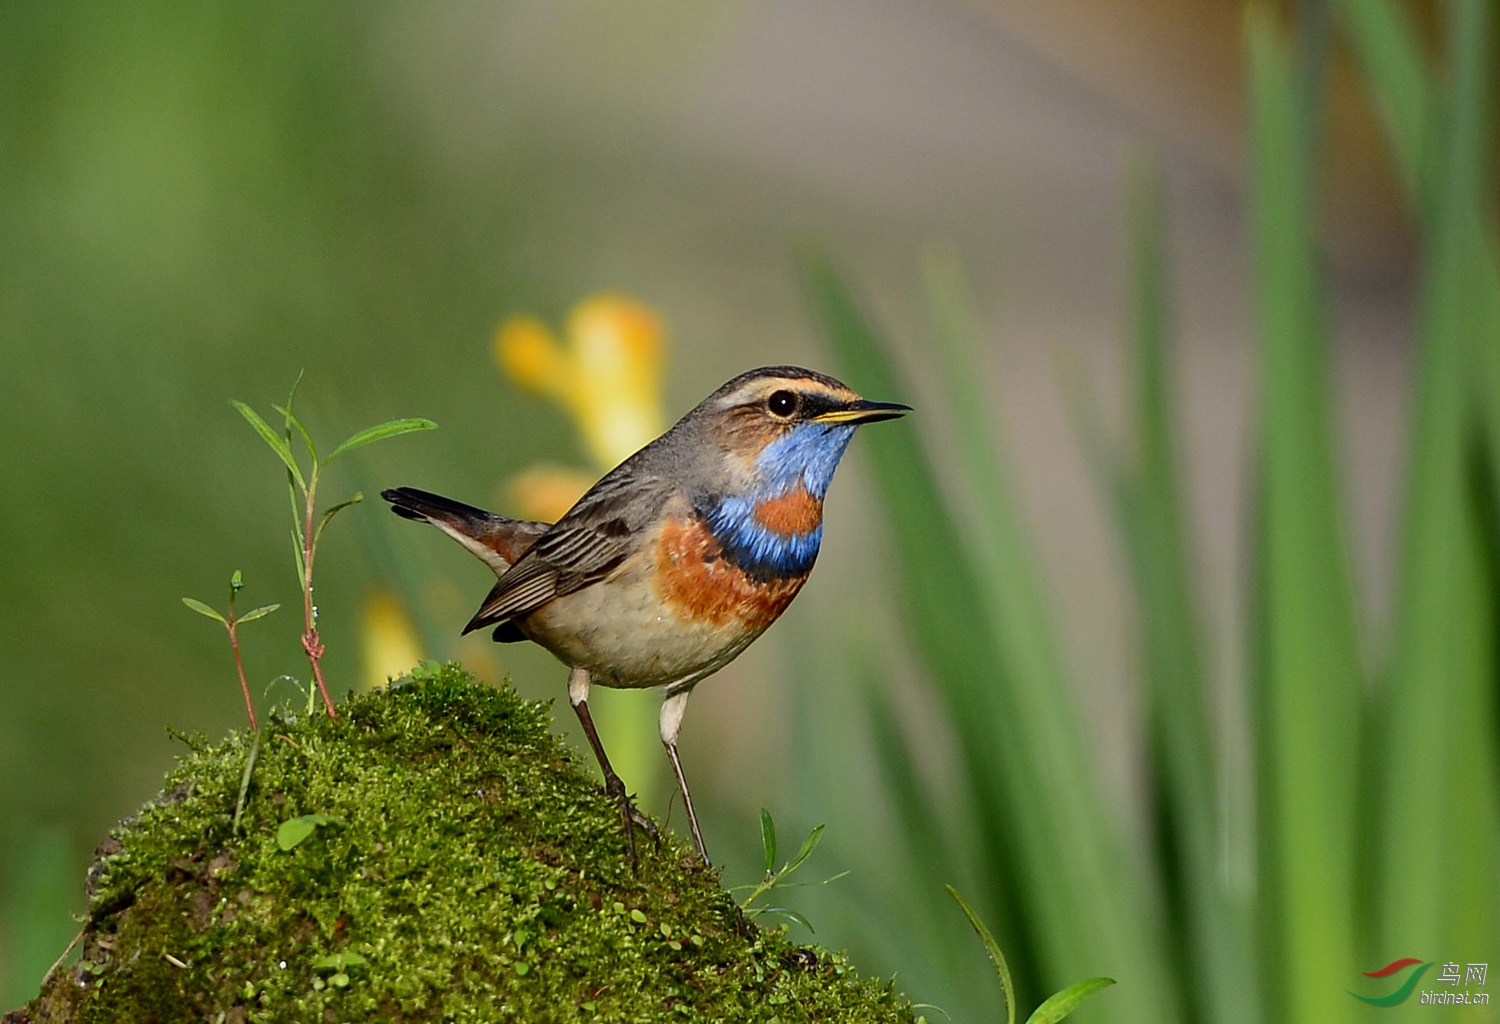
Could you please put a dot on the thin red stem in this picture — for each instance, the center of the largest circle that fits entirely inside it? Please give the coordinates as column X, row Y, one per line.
column 314, row 648
column 239, row 666
column 311, row 643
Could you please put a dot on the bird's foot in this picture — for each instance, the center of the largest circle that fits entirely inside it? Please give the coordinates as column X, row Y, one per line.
column 645, row 824
column 631, row 818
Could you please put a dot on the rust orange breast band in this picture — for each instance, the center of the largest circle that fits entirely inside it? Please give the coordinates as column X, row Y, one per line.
column 696, row 580
column 796, row 512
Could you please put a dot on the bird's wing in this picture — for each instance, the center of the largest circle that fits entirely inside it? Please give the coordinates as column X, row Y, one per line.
column 586, row 545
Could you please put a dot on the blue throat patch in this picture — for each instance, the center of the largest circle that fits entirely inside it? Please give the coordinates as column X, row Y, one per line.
column 808, row 455
column 805, row 457
column 763, row 553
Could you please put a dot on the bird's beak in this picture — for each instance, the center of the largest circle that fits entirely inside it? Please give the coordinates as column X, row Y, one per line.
column 863, row 411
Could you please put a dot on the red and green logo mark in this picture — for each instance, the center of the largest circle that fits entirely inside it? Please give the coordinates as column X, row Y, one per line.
column 1401, row 994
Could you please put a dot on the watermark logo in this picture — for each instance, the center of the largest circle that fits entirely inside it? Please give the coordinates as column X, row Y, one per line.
column 1402, row 992
column 1451, row 974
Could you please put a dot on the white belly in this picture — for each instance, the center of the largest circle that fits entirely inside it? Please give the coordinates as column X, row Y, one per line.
column 627, row 636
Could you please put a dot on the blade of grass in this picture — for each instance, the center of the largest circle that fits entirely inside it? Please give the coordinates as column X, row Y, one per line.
column 929, row 860
column 1101, row 874
column 1213, row 941
column 1386, row 48
column 1443, row 647
column 1309, row 686
column 768, row 839
column 991, row 947
column 930, row 854
column 941, row 606
column 982, row 626
column 1438, row 880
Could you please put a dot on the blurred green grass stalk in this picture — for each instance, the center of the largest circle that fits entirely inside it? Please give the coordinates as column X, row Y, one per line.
column 1435, row 832
column 1061, row 882
column 1376, row 832
column 1306, row 672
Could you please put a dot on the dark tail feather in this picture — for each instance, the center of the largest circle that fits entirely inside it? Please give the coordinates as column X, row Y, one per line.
column 495, row 539
column 410, row 503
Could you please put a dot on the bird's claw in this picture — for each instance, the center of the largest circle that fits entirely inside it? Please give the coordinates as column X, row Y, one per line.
column 646, row 825
column 631, row 818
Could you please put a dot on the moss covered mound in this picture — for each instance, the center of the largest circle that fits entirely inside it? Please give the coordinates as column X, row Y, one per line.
column 454, row 864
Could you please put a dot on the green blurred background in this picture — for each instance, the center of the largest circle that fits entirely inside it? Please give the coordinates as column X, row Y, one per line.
column 1170, row 643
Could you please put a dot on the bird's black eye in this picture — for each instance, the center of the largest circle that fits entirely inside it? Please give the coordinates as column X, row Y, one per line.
column 782, row 404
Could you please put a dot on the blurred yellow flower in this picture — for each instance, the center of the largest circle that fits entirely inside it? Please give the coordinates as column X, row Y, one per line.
column 388, row 641
column 545, row 492
column 606, row 372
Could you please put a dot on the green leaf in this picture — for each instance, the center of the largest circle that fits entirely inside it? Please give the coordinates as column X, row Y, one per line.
column 790, row 914
column 236, row 581
column 293, row 831
column 203, row 609
column 338, row 962
column 768, row 839
column 257, row 613
column 292, row 421
column 381, row 431
column 330, row 513
column 276, row 441
column 1063, row 1003
column 993, row 949
column 808, row 845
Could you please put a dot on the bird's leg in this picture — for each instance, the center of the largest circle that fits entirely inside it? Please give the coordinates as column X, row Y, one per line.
column 630, row 817
column 671, row 722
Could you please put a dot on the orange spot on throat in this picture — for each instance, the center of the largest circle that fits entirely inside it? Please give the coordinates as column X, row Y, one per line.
column 794, row 512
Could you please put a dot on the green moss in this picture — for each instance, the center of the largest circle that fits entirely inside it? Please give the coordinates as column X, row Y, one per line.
column 467, row 871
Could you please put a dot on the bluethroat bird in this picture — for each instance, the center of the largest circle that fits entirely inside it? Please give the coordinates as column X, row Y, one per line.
column 677, row 558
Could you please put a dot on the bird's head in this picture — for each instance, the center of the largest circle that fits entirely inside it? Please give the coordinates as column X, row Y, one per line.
column 785, row 427
column 779, row 433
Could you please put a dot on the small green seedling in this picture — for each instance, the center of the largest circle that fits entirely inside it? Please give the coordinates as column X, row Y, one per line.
column 232, row 622
column 1058, row 1006
column 307, row 527
column 339, row 963
column 293, row 831
column 777, row 879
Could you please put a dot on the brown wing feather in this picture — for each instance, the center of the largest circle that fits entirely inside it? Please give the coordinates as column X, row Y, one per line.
column 582, row 548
